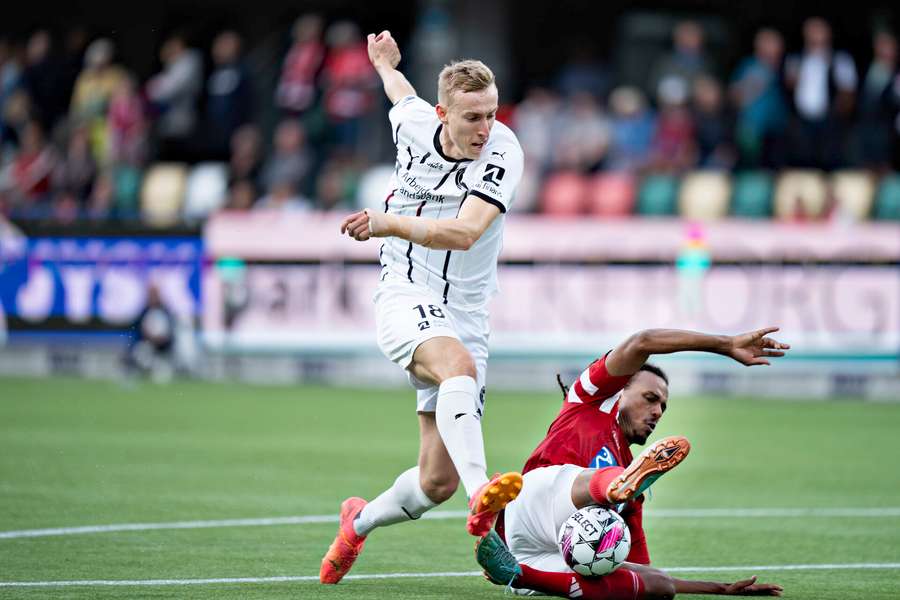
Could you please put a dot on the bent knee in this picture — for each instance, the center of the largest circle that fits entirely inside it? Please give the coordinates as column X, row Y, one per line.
column 459, row 363
column 439, row 487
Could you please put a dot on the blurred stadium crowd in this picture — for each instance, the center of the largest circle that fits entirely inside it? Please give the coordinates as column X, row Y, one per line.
column 802, row 135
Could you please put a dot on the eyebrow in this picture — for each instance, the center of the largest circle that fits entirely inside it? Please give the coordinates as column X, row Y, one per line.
column 475, row 112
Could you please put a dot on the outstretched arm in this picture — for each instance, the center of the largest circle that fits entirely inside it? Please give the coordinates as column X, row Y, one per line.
column 745, row 587
column 460, row 233
column 384, row 55
column 660, row 583
column 753, row 348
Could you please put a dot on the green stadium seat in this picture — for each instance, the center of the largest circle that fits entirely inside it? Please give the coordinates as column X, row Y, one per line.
column 887, row 200
column 752, row 195
column 126, row 191
column 658, row 196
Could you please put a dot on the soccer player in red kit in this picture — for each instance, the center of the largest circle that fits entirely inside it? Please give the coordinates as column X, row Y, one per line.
column 585, row 460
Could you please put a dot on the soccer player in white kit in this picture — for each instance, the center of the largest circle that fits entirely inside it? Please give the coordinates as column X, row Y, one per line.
column 456, row 173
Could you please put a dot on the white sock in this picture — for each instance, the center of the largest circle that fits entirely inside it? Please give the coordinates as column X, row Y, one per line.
column 403, row 501
column 460, row 427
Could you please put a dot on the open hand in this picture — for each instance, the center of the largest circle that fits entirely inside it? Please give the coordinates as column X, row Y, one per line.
column 383, row 50
column 755, row 348
column 749, row 587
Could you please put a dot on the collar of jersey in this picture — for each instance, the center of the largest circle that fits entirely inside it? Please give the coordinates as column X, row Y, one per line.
column 437, row 146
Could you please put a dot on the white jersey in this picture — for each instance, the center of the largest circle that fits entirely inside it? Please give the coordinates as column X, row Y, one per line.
column 427, row 183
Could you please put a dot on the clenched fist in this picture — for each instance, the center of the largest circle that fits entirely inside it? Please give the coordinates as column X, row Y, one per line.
column 383, row 50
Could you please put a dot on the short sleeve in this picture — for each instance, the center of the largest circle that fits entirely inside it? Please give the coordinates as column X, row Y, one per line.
column 410, row 108
column 495, row 175
column 595, row 383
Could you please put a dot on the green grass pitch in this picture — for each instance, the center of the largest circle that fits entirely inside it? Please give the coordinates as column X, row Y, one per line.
column 76, row 453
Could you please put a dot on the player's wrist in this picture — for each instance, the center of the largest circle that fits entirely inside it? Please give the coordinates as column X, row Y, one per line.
column 724, row 344
column 380, row 224
column 383, row 67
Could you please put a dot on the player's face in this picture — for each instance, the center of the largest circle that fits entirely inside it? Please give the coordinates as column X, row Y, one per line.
column 642, row 405
column 468, row 120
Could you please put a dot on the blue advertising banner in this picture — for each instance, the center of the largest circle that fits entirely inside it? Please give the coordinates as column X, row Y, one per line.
column 87, row 283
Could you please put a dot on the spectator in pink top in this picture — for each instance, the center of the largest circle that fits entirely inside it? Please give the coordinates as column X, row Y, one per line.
column 127, row 125
column 674, row 148
column 348, row 82
column 32, row 169
column 296, row 91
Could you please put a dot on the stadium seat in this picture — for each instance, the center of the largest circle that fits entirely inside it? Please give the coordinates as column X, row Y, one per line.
column 374, row 185
column 658, row 195
column 126, row 183
column 564, row 194
column 704, row 195
column 162, row 194
column 611, row 194
column 206, row 190
column 801, row 193
column 887, row 201
column 752, row 195
column 853, row 193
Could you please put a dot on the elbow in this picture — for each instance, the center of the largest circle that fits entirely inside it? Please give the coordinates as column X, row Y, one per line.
column 466, row 242
column 642, row 341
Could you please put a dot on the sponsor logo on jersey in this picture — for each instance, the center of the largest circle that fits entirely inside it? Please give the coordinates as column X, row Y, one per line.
column 604, row 458
column 502, row 155
column 436, row 165
column 493, row 174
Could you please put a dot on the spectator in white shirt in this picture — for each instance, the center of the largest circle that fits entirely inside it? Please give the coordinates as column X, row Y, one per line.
column 822, row 83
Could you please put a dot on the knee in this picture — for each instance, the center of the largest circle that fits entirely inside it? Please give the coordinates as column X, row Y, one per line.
column 458, row 363
column 439, row 487
column 658, row 585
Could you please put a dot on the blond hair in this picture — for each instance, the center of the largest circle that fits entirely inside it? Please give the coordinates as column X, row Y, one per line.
column 463, row 76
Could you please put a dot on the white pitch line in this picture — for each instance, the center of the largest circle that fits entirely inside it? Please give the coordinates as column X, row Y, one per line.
column 689, row 513
column 707, row 513
column 289, row 579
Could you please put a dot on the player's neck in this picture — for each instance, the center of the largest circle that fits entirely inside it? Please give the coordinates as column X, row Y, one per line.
column 447, row 145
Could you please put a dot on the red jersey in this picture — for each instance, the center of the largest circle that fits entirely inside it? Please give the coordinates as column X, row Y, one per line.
column 586, row 433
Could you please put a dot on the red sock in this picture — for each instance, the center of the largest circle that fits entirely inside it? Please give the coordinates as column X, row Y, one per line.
column 600, row 481
column 621, row 584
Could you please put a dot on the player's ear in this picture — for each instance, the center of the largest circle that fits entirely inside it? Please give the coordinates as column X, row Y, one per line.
column 441, row 113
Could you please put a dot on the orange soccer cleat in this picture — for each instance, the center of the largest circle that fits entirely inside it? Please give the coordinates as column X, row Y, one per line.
column 662, row 456
column 346, row 545
column 490, row 499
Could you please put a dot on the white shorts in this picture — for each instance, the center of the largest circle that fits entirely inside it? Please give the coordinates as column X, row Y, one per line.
column 406, row 315
column 532, row 520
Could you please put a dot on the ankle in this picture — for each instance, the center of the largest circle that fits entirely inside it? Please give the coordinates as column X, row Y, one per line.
column 600, row 482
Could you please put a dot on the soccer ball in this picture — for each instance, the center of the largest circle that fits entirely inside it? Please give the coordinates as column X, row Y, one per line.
column 594, row 541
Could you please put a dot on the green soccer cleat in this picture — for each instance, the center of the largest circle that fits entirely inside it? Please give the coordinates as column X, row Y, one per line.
column 499, row 564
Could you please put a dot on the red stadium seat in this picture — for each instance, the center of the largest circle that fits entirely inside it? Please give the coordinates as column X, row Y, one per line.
column 612, row 194
column 564, row 194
